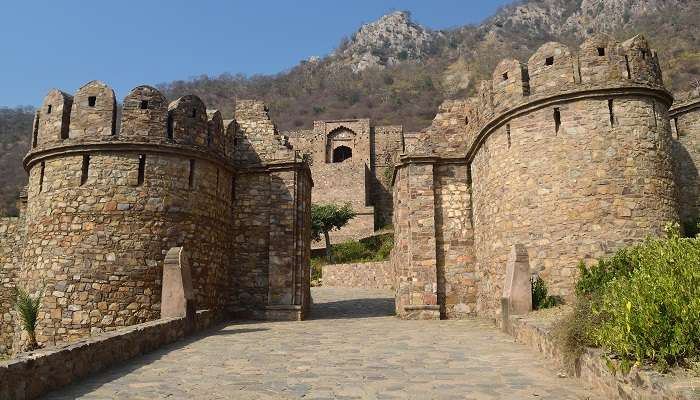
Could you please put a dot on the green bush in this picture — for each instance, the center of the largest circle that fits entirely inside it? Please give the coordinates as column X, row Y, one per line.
column 373, row 248
column 592, row 280
column 642, row 304
column 540, row 299
column 654, row 313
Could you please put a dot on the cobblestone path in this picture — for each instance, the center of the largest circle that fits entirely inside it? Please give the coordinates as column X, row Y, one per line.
column 352, row 349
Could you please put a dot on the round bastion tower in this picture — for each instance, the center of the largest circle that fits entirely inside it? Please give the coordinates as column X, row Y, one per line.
column 571, row 158
column 106, row 201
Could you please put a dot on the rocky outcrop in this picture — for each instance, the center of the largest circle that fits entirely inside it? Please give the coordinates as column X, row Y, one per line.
column 391, row 39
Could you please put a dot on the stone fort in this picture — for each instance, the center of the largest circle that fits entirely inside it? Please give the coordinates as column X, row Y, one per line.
column 568, row 157
column 352, row 162
column 107, row 198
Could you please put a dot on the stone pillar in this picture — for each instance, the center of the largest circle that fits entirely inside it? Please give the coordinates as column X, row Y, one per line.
column 517, row 289
column 177, row 299
column 288, row 290
column 417, row 284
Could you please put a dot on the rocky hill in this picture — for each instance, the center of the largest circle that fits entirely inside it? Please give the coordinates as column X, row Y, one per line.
column 396, row 71
column 392, row 39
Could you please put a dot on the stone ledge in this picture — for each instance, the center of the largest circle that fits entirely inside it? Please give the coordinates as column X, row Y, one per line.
column 640, row 383
column 36, row 373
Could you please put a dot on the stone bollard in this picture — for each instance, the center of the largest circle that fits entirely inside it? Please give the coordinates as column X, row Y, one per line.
column 177, row 297
column 517, row 290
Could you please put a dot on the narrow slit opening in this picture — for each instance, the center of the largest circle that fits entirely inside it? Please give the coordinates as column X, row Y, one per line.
column 627, row 65
column 41, row 177
column 142, row 169
column 505, row 76
column 508, row 134
column 194, row 113
column 35, row 131
column 233, row 190
column 170, row 127
column 190, row 179
column 85, row 171
column 557, row 120
column 49, row 109
column 675, row 126
column 653, row 111
column 611, row 112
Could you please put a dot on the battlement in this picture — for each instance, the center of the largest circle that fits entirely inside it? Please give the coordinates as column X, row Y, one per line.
column 90, row 117
column 600, row 67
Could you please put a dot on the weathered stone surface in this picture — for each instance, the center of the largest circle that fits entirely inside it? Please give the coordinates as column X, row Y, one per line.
column 32, row 375
column 517, row 290
column 107, row 200
column 373, row 275
column 177, row 300
column 569, row 155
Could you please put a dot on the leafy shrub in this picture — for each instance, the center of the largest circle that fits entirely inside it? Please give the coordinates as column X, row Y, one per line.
column 373, row 248
column 654, row 313
column 592, row 280
column 642, row 304
column 27, row 307
column 540, row 299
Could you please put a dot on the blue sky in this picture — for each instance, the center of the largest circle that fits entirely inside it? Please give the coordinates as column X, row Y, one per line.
column 63, row 44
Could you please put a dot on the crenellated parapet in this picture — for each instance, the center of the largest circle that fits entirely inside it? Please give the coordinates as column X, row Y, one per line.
column 88, row 121
column 600, row 68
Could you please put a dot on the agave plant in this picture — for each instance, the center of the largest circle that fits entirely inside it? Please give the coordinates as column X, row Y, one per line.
column 27, row 307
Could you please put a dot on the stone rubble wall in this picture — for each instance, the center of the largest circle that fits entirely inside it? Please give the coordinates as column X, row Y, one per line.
column 106, row 200
column 606, row 188
column 454, row 239
column 34, row 374
column 591, row 367
column 99, row 246
column 374, row 275
column 685, row 125
column 568, row 155
column 12, row 236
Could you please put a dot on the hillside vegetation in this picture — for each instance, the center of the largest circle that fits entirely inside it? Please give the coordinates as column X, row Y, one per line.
column 397, row 72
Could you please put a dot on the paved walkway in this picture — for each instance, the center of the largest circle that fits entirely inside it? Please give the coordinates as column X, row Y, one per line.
column 352, row 349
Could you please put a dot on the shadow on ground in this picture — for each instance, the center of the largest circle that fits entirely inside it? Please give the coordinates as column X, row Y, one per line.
column 354, row 308
column 89, row 384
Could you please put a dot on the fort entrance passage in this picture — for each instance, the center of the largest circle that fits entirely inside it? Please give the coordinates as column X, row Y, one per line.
column 350, row 349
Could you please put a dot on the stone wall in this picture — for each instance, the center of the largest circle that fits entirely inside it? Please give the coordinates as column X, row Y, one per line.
column 685, row 124
column 607, row 187
column 12, row 233
column 34, row 374
column 568, row 155
column 375, row 275
column 106, row 200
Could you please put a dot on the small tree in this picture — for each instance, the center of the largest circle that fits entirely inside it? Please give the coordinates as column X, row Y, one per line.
column 27, row 307
column 328, row 217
